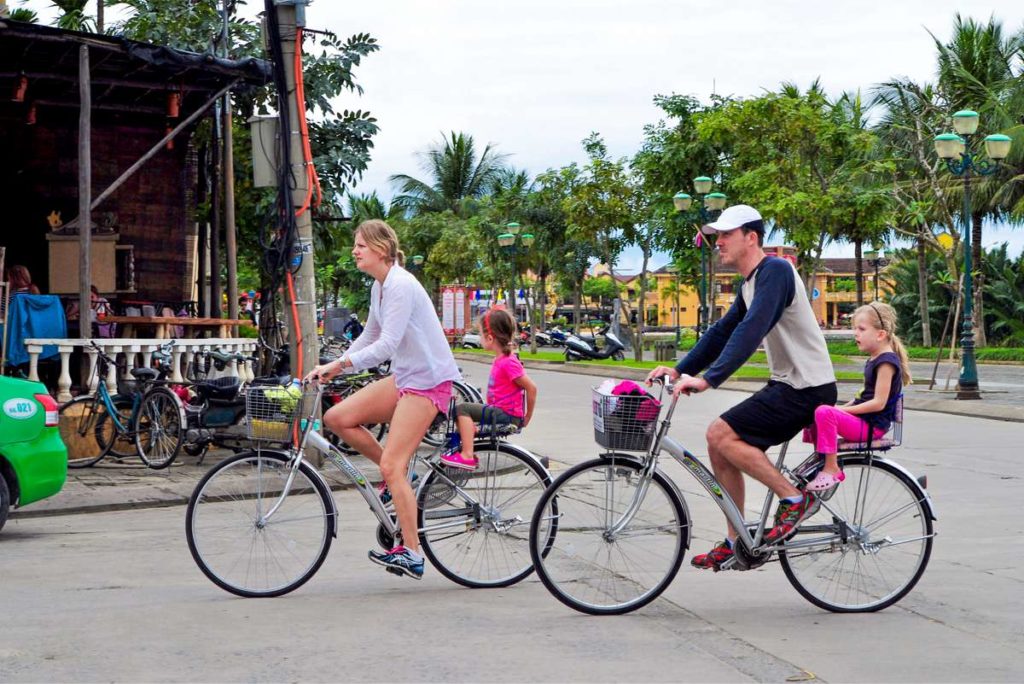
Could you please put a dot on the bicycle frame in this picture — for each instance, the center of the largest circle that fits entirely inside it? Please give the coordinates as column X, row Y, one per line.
column 706, row 478
column 311, row 436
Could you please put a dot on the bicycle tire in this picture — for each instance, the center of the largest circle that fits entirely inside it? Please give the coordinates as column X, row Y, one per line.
column 120, row 445
column 893, row 510
column 78, row 422
column 159, row 428
column 577, row 561
column 484, row 541
column 225, row 540
column 438, row 430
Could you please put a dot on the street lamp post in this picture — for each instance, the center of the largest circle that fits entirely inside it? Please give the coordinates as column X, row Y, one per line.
column 877, row 260
column 514, row 243
column 954, row 148
column 706, row 204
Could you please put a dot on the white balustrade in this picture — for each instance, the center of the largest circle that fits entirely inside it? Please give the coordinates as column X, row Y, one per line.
column 182, row 351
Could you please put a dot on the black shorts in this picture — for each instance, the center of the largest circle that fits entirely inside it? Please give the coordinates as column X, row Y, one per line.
column 487, row 415
column 777, row 412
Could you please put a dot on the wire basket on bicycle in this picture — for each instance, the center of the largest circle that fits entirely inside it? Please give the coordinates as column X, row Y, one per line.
column 272, row 411
column 624, row 422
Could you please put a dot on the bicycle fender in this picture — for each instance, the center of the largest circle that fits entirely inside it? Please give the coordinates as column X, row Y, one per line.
column 619, row 456
column 315, row 472
column 921, row 491
column 542, row 461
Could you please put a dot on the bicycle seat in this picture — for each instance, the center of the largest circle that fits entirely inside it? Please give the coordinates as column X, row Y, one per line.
column 275, row 380
column 144, row 374
column 219, row 388
column 498, row 430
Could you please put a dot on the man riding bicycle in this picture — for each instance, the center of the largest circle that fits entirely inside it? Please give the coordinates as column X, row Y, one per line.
column 772, row 306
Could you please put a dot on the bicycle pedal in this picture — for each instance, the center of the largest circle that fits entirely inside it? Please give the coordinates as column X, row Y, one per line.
column 395, row 571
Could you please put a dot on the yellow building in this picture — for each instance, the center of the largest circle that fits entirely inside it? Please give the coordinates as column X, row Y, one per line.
column 833, row 295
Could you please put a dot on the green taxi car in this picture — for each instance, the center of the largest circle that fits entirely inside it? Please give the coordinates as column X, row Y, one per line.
column 33, row 459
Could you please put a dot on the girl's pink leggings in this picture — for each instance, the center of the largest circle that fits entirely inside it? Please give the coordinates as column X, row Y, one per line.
column 831, row 423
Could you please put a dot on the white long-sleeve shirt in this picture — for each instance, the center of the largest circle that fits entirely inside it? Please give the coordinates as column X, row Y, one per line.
column 403, row 326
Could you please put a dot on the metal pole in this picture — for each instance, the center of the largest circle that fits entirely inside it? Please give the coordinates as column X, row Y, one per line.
column 84, row 195
column 967, row 388
column 703, row 311
column 303, row 340
column 229, row 197
column 678, row 319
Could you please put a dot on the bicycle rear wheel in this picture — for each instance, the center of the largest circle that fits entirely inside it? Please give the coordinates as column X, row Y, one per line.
column 867, row 546
column 79, row 421
column 121, row 444
column 474, row 525
column 235, row 548
column 589, row 565
column 159, row 428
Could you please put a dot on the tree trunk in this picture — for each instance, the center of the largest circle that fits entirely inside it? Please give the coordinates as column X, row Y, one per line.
column 977, row 254
column 922, row 293
column 641, row 318
column 858, row 269
column 577, row 296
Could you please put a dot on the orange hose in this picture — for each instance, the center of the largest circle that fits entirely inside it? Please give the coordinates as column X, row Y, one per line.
column 312, row 178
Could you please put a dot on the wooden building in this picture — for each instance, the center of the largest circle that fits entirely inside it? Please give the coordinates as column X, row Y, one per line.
column 144, row 232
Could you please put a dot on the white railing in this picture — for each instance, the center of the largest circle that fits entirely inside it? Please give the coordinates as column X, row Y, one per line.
column 139, row 354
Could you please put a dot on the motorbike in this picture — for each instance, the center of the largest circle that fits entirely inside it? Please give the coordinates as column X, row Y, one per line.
column 215, row 407
column 578, row 349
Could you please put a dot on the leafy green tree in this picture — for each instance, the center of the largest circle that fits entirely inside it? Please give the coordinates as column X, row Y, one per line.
column 73, row 17
column 1004, row 297
column 456, row 177
column 975, row 72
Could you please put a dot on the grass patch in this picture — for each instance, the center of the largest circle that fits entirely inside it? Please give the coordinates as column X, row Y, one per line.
column 990, row 354
column 754, row 369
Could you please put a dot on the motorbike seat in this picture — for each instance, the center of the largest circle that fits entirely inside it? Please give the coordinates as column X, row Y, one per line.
column 144, row 374
column 222, row 389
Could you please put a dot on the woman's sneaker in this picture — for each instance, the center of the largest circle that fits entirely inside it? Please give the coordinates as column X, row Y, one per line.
column 399, row 561
column 789, row 515
column 457, row 460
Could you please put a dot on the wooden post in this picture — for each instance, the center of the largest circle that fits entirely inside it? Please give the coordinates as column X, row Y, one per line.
column 84, row 194
column 215, row 219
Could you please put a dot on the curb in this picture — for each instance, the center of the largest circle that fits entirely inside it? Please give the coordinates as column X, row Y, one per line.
column 984, row 411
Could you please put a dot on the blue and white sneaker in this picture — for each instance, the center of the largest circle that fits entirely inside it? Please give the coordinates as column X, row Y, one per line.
column 399, row 561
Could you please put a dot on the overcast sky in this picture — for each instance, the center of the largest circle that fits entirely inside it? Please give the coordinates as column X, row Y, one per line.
column 535, row 77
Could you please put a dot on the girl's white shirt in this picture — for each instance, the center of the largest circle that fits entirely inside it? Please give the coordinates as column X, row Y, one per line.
column 403, row 326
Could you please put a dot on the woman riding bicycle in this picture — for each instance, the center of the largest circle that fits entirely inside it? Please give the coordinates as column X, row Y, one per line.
column 403, row 327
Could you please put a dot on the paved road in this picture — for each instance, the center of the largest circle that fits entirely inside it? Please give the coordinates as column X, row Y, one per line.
column 115, row 596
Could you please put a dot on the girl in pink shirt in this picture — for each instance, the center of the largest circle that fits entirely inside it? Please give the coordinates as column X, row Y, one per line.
column 505, row 389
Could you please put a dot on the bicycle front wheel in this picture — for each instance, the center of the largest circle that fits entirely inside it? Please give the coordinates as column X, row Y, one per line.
column 613, row 548
column 159, row 428
column 474, row 525
column 79, row 421
column 236, row 547
column 867, row 546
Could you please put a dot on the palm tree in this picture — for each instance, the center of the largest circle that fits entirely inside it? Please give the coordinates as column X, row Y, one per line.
column 365, row 207
column 455, row 177
column 73, row 16
column 975, row 72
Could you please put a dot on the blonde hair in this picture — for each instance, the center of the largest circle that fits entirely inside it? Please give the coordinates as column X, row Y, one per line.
column 382, row 238
column 881, row 316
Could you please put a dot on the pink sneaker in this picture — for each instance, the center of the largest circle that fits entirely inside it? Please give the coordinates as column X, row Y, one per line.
column 457, row 460
column 825, row 481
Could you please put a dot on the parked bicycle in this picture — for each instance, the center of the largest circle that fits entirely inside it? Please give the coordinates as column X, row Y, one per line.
column 261, row 523
column 143, row 418
column 622, row 525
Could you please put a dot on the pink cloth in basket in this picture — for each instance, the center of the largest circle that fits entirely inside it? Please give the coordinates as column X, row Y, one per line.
column 648, row 409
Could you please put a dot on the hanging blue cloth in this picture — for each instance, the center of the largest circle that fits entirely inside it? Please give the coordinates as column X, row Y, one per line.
column 33, row 316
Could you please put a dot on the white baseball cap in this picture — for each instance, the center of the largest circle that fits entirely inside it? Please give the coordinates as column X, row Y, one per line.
column 732, row 218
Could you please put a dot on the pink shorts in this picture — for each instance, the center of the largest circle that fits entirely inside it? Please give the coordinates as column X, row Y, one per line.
column 439, row 396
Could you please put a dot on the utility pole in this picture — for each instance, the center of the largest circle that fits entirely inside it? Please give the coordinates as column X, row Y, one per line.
column 291, row 14
column 229, row 191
